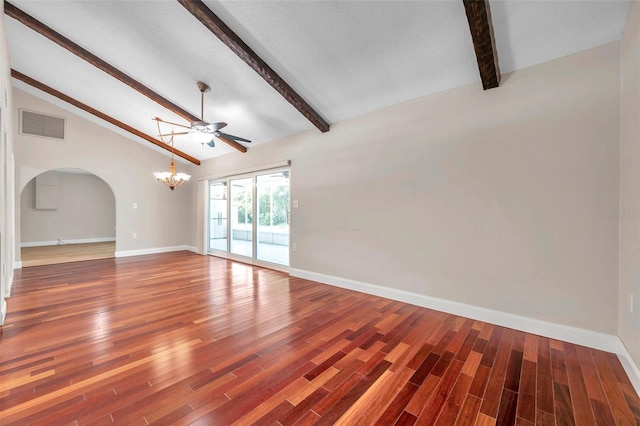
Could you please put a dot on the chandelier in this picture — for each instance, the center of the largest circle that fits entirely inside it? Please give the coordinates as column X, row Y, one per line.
column 170, row 178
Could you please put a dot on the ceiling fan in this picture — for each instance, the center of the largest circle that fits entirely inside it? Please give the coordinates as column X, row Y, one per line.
column 200, row 130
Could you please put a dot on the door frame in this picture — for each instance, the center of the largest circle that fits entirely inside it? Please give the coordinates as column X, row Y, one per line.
column 253, row 260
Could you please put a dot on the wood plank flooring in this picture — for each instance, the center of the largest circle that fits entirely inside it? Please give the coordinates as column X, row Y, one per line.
column 178, row 338
column 64, row 253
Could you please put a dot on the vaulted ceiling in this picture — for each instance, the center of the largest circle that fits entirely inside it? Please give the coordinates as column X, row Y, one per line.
column 277, row 68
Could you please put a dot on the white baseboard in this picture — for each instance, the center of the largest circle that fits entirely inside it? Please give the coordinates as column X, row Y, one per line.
column 629, row 365
column 69, row 241
column 156, row 250
column 193, row 249
column 3, row 311
column 567, row 333
column 17, row 264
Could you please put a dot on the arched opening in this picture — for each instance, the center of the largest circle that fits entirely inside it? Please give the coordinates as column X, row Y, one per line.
column 66, row 215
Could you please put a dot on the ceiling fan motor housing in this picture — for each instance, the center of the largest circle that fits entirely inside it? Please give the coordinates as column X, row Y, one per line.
column 203, row 87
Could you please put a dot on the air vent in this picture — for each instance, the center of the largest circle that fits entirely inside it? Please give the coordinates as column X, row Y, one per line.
column 34, row 123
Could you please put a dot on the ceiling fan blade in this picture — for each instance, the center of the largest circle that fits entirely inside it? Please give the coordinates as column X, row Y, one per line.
column 216, row 126
column 232, row 137
column 211, row 143
column 175, row 134
column 168, row 122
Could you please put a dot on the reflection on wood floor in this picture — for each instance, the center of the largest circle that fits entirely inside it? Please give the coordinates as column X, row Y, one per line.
column 183, row 339
column 63, row 253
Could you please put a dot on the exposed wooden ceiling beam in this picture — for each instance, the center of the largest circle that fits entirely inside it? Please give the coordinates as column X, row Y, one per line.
column 210, row 20
column 479, row 17
column 102, row 65
column 53, row 92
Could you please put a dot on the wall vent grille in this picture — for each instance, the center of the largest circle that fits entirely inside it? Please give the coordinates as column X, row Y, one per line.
column 37, row 124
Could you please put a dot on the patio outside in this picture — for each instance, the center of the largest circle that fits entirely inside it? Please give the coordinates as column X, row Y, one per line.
column 272, row 229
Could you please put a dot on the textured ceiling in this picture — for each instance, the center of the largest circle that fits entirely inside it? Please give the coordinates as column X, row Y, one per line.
column 344, row 57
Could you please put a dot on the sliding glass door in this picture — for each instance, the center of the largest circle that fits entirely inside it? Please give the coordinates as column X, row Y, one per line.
column 218, row 216
column 242, row 217
column 249, row 217
column 273, row 217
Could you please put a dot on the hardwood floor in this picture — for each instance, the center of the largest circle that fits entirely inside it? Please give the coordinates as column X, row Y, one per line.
column 180, row 339
column 64, row 253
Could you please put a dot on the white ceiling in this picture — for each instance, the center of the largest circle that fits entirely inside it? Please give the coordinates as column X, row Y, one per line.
column 344, row 57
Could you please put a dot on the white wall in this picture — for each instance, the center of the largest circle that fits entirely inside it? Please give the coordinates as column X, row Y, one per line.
column 126, row 166
column 85, row 211
column 497, row 199
column 629, row 213
column 7, row 181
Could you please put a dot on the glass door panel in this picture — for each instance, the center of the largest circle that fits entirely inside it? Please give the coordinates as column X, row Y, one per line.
column 242, row 217
column 273, row 217
column 218, row 216
column 233, row 205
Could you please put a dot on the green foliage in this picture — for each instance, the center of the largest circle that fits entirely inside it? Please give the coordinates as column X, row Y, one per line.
column 243, row 200
column 279, row 208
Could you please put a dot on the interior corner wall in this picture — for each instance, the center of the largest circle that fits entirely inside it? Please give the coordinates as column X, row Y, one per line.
column 629, row 212
column 199, row 239
column 501, row 199
column 7, row 175
column 125, row 165
column 85, row 211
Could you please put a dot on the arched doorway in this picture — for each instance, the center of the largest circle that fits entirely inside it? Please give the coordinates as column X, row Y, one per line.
column 66, row 215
